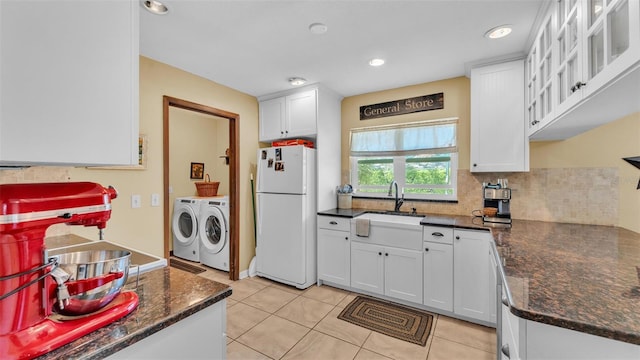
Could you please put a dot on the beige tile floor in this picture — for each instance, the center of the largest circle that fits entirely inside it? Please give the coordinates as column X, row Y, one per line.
column 268, row 320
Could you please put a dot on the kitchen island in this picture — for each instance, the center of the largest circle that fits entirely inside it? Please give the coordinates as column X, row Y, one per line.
column 584, row 278
column 168, row 296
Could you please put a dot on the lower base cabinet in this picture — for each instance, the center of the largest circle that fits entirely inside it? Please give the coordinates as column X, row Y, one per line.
column 334, row 260
column 529, row 340
column 438, row 276
column 198, row 336
column 474, row 294
column 387, row 271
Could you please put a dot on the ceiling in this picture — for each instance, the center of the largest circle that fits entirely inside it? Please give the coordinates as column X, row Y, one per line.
column 256, row 46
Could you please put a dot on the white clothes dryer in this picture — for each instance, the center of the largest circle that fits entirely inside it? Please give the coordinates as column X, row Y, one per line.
column 184, row 226
column 213, row 233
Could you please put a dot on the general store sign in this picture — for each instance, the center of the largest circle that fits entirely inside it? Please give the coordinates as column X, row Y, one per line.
column 404, row 106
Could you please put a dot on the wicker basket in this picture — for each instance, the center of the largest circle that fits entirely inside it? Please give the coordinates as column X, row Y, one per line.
column 207, row 187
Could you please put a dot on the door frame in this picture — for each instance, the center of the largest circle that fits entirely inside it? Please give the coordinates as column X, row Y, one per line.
column 234, row 187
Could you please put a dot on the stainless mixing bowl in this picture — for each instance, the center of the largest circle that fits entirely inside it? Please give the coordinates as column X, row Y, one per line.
column 96, row 278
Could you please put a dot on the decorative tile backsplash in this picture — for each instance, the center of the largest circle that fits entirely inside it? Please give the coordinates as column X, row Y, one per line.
column 38, row 174
column 571, row 195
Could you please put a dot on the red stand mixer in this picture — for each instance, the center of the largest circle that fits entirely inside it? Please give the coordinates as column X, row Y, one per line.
column 28, row 325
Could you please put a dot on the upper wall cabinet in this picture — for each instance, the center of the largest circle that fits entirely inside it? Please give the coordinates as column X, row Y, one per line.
column 289, row 116
column 584, row 68
column 498, row 136
column 69, row 82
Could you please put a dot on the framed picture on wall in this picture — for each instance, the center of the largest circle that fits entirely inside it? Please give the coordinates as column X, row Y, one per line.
column 197, row 171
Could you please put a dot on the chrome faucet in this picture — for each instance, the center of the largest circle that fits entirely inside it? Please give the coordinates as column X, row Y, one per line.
column 398, row 201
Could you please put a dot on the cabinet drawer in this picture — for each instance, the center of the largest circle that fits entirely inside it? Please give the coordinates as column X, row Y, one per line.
column 333, row 223
column 438, row 234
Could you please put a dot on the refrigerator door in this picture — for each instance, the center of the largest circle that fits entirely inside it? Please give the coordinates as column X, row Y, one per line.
column 282, row 170
column 281, row 245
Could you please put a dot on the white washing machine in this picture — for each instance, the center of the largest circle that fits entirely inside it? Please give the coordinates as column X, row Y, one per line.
column 213, row 232
column 184, row 227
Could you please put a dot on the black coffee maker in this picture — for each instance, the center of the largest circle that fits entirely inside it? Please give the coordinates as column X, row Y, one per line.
column 497, row 196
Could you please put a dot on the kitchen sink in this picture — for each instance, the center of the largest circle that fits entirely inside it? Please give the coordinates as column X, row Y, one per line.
column 396, row 218
column 399, row 213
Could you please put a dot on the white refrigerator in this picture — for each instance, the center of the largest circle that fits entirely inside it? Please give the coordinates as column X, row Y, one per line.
column 286, row 215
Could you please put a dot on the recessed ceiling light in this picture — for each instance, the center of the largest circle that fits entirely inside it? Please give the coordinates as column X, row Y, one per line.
column 376, row 62
column 498, row 32
column 297, row 81
column 155, row 7
column 318, row 28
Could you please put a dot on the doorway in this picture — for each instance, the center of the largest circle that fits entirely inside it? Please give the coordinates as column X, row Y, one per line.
column 233, row 158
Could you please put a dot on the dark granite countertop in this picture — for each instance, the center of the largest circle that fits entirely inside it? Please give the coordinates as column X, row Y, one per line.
column 579, row 277
column 166, row 295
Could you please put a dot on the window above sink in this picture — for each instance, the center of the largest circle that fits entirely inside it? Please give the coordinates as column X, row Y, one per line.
column 422, row 158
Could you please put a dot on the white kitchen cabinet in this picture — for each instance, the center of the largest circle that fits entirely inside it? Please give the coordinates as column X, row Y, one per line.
column 438, row 276
column 595, row 71
column 334, row 250
column 69, row 82
column 290, row 116
column 198, row 336
column 367, row 267
column 499, row 140
column 387, row 271
column 474, row 294
column 402, row 270
column 540, row 87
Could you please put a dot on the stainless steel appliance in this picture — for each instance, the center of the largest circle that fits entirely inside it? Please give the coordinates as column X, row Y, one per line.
column 497, row 196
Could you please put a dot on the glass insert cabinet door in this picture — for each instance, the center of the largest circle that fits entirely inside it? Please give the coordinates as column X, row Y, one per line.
column 607, row 33
column 569, row 70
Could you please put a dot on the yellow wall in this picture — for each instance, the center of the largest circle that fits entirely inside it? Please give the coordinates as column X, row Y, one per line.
column 142, row 228
column 604, row 146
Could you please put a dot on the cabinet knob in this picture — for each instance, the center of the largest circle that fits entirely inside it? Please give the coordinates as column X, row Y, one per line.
column 386, row 254
column 505, row 350
column 474, row 165
column 379, row 253
column 426, row 249
column 577, row 86
column 457, row 237
column 346, row 238
column 286, row 131
column 333, row 222
column 281, row 132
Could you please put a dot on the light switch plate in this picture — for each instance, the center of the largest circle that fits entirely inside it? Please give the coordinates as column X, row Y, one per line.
column 136, row 201
column 155, row 199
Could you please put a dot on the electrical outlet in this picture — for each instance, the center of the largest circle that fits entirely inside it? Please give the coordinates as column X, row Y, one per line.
column 136, row 201
column 155, row 199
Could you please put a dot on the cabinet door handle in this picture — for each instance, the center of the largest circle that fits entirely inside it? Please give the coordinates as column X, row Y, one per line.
column 439, row 234
column 505, row 350
column 577, row 86
column 333, row 222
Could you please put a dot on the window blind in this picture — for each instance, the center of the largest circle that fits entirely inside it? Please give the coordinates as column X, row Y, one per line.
column 405, row 139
